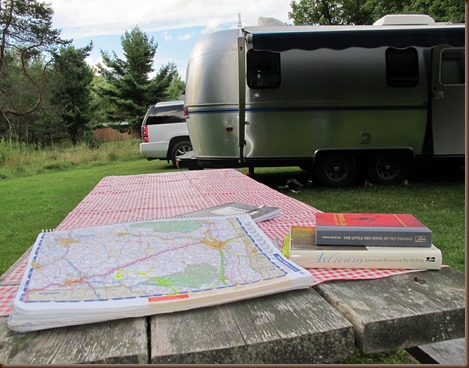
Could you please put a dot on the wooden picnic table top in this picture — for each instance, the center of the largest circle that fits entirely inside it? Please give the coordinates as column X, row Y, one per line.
column 318, row 325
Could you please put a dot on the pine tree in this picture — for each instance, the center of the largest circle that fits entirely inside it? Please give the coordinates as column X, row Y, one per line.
column 128, row 88
column 72, row 78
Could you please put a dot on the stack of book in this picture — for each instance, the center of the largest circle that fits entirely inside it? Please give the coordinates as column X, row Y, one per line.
column 358, row 240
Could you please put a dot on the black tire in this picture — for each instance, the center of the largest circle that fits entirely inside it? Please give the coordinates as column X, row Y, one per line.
column 335, row 169
column 179, row 149
column 387, row 168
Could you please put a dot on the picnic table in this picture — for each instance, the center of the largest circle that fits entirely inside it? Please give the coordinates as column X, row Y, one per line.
column 374, row 310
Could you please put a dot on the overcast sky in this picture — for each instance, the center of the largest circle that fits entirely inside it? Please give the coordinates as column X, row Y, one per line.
column 175, row 24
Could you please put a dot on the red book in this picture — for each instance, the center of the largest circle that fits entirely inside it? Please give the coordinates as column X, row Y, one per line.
column 371, row 229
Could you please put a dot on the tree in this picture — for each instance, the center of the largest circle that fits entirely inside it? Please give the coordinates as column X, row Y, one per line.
column 127, row 87
column 99, row 105
column 440, row 10
column 72, row 77
column 330, row 12
column 176, row 89
column 26, row 34
column 367, row 11
column 127, row 80
column 166, row 85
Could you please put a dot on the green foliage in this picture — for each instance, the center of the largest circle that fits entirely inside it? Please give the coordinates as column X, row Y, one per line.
column 329, row 12
column 166, row 85
column 20, row 159
column 92, row 142
column 72, row 92
column 99, row 105
column 45, row 127
column 26, row 35
column 127, row 90
column 394, row 357
column 368, row 11
column 27, row 26
column 438, row 203
column 176, row 89
column 18, row 94
column 45, row 94
column 440, row 10
column 127, row 83
column 31, row 203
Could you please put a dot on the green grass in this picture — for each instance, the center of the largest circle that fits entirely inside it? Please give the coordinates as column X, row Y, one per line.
column 438, row 203
column 40, row 193
column 29, row 204
column 19, row 159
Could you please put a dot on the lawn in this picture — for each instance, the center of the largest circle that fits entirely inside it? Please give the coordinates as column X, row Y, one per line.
column 435, row 197
column 29, row 204
column 32, row 202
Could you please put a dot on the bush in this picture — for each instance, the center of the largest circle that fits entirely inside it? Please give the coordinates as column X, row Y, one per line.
column 20, row 159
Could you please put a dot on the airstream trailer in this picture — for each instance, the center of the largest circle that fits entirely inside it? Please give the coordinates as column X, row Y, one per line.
column 330, row 99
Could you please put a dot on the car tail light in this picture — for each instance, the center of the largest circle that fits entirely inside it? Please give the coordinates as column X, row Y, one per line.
column 186, row 112
column 145, row 134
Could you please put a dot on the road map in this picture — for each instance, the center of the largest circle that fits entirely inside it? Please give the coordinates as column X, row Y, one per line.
column 150, row 263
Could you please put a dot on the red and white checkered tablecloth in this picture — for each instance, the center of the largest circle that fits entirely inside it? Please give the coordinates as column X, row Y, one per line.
column 119, row 199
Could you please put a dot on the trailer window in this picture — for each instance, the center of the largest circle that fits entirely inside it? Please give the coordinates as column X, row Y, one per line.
column 263, row 69
column 452, row 67
column 402, row 67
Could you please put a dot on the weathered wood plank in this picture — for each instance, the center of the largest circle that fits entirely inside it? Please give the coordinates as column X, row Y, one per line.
column 122, row 341
column 304, row 326
column 442, row 352
column 293, row 327
column 401, row 311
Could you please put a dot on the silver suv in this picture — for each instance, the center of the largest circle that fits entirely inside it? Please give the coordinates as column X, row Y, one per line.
column 164, row 132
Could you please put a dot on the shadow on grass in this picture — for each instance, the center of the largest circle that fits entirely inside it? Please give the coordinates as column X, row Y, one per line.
column 437, row 171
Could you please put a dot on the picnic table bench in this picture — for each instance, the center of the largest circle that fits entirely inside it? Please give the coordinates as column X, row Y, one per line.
column 374, row 312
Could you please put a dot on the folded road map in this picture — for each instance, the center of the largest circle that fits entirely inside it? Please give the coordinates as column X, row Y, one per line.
column 102, row 273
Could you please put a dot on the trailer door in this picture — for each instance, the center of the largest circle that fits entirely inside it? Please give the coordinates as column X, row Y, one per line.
column 448, row 100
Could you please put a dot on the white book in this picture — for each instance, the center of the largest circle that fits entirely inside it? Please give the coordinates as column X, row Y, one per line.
column 137, row 269
column 303, row 250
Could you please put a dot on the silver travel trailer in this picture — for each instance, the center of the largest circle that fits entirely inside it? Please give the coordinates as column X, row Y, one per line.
column 330, row 99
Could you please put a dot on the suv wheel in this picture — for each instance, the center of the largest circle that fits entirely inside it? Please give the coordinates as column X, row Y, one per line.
column 179, row 149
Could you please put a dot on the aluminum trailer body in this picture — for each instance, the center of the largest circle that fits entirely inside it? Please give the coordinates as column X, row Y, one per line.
column 328, row 98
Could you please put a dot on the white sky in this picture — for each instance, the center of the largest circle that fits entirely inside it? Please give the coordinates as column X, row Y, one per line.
column 175, row 24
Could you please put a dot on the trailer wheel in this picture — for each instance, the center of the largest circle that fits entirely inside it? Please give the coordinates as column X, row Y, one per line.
column 179, row 149
column 335, row 169
column 387, row 168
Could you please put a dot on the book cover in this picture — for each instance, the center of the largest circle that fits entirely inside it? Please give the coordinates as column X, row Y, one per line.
column 303, row 250
column 371, row 229
column 257, row 213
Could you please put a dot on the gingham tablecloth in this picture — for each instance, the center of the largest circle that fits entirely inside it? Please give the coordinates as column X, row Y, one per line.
column 118, row 199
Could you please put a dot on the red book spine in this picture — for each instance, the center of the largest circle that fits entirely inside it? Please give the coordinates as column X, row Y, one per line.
column 401, row 230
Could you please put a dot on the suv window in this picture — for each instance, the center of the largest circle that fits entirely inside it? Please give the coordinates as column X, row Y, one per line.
column 165, row 115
